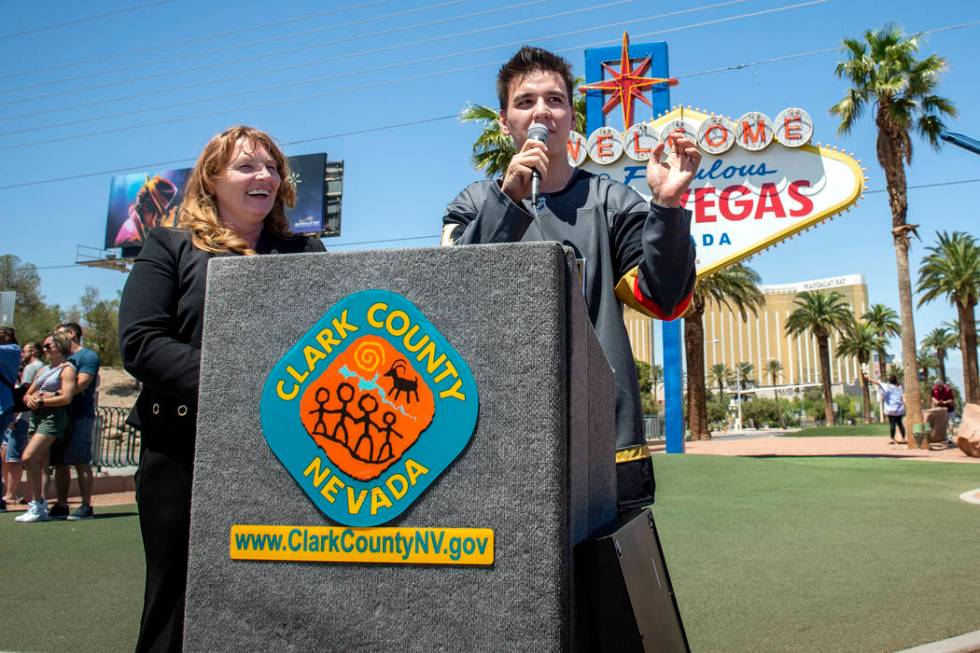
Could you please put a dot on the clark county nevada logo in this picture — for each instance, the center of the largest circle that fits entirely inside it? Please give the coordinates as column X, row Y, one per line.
column 369, row 408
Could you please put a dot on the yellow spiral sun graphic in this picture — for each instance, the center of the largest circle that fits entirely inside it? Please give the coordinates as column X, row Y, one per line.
column 369, row 356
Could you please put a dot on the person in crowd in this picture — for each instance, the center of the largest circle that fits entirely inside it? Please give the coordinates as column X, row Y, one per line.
column 894, row 397
column 234, row 204
column 17, row 435
column 943, row 397
column 635, row 252
column 30, row 362
column 48, row 399
column 76, row 449
column 10, row 355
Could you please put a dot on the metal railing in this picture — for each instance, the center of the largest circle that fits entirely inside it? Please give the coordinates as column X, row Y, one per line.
column 114, row 443
column 653, row 427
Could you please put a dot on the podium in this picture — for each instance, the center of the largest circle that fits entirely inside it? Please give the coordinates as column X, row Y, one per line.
column 538, row 469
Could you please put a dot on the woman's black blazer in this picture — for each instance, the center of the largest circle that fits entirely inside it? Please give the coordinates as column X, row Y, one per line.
column 161, row 317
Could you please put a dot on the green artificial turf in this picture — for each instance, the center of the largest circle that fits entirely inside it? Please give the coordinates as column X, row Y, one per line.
column 774, row 554
column 819, row 554
column 72, row 586
column 858, row 429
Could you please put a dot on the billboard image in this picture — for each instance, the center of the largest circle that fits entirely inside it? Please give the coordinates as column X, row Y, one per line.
column 306, row 175
column 140, row 201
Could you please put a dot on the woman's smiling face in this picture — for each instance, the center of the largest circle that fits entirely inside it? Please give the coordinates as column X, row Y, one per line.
column 246, row 192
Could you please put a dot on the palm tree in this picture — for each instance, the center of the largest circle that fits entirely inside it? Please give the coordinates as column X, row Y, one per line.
column 884, row 320
column 894, row 370
column 493, row 150
column 723, row 376
column 951, row 269
column 745, row 373
column 954, row 326
column 822, row 313
column 774, row 370
column 927, row 362
column 737, row 287
column 939, row 341
column 860, row 339
column 884, row 73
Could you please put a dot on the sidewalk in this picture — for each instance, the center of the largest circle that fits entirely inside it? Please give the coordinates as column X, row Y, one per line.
column 763, row 443
column 111, row 487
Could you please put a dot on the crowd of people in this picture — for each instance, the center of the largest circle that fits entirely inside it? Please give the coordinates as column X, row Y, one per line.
column 47, row 422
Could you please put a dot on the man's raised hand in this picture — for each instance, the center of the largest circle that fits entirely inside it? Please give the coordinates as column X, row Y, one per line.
column 670, row 178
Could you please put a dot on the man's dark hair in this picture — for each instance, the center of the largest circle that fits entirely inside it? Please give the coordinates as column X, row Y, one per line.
column 893, row 379
column 528, row 60
column 10, row 333
column 74, row 328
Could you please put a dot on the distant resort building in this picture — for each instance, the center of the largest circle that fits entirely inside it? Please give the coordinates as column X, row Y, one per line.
column 639, row 327
column 762, row 337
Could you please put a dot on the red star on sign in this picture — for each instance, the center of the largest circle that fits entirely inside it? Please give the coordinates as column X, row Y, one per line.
column 627, row 84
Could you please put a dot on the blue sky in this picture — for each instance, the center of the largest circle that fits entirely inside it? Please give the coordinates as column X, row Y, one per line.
column 117, row 85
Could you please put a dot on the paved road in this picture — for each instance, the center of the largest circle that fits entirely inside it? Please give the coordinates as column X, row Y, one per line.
column 776, row 443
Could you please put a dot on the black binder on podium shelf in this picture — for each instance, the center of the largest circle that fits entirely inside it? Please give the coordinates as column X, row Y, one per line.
column 631, row 603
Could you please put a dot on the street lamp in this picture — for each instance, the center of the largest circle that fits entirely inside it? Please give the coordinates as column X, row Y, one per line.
column 738, row 397
column 738, row 389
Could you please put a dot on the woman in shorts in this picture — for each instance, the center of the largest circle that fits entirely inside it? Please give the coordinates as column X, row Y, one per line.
column 48, row 398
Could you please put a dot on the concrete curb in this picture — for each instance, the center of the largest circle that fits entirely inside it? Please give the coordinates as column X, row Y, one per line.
column 967, row 643
column 109, row 481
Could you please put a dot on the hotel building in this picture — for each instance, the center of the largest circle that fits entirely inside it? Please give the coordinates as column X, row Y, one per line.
column 762, row 337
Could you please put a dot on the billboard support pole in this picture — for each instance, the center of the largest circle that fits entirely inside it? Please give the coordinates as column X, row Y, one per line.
column 673, row 389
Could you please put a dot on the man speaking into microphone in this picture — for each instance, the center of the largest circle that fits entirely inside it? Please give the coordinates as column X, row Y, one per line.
column 631, row 251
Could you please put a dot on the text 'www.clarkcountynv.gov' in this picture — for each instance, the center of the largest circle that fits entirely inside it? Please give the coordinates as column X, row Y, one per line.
column 413, row 546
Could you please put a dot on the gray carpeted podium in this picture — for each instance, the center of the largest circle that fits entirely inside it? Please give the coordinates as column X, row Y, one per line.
column 539, row 469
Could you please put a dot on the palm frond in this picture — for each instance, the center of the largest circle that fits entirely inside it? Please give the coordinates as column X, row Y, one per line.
column 820, row 312
column 950, row 269
column 735, row 286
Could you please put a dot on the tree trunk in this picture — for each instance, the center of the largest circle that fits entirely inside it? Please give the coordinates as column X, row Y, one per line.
column 697, row 406
column 828, row 400
column 882, row 370
column 968, row 347
column 892, row 154
column 866, row 396
column 910, row 377
column 941, row 365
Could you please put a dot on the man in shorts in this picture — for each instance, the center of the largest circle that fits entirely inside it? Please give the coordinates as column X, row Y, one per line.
column 77, row 450
column 17, row 435
column 9, row 364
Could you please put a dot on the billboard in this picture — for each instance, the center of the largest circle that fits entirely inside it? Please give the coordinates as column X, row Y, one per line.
column 7, row 300
column 140, row 201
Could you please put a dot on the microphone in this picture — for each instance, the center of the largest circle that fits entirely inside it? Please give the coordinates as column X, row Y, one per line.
column 536, row 132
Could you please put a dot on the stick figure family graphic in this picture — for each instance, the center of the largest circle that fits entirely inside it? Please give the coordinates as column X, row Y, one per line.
column 352, row 430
